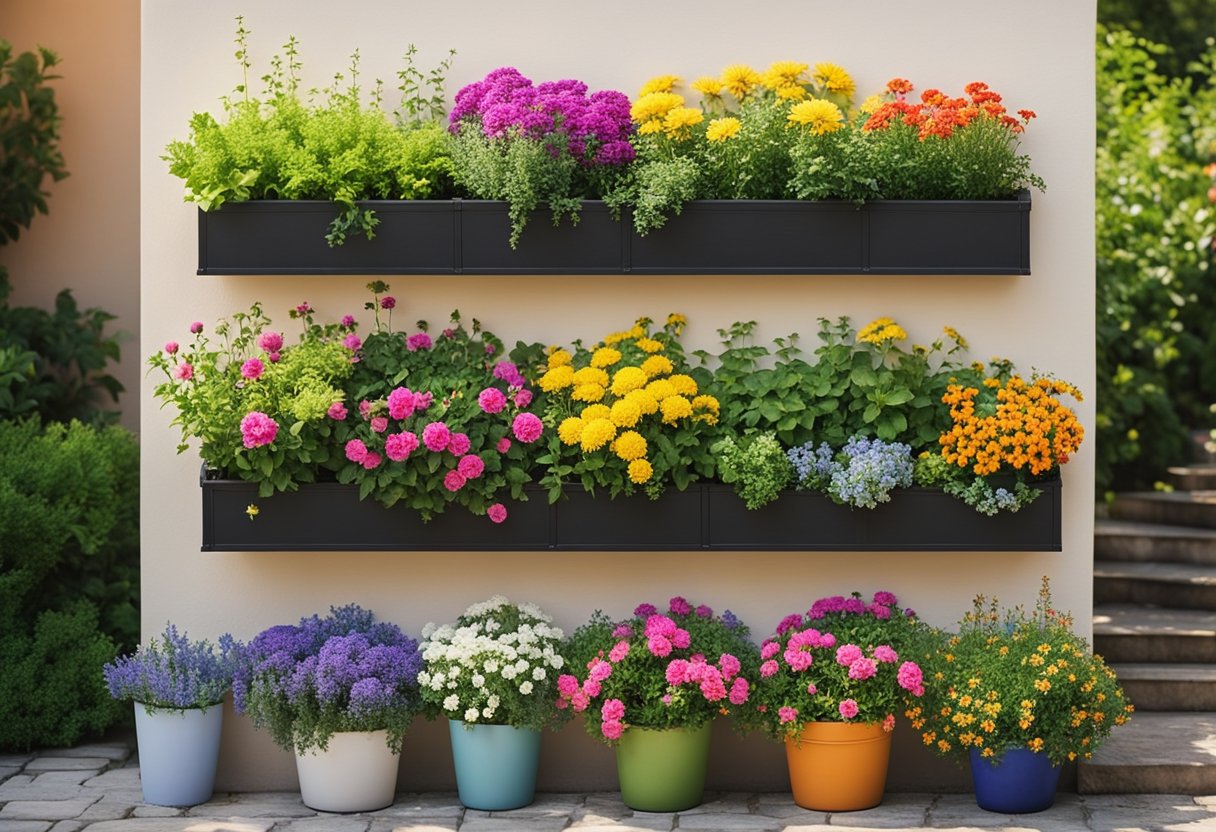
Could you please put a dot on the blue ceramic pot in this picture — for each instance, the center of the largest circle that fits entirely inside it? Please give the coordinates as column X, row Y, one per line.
column 1020, row 781
column 495, row 764
column 178, row 751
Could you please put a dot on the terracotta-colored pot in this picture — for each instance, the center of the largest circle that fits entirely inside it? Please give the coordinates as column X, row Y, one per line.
column 838, row 766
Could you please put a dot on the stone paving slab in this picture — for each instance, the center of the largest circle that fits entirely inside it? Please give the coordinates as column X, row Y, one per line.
column 233, row 824
column 329, row 823
column 47, row 810
column 729, row 822
column 503, row 823
column 114, row 751
column 437, row 825
column 94, row 764
column 24, row 826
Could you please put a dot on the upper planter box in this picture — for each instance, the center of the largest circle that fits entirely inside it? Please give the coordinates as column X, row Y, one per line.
column 331, row 517
column 708, row 237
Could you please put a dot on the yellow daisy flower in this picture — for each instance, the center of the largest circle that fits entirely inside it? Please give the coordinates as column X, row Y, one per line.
column 659, row 83
column 740, row 80
column 591, row 375
column 817, row 115
column 721, row 129
column 679, row 120
column 654, row 105
column 834, row 78
column 708, row 86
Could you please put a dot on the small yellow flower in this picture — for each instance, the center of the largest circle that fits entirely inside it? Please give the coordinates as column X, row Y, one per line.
column 677, row 322
column 654, row 125
column 678, row 121
column 630, row 445
column 675, row 408
column 588, row 393
column 596, row 434
column 605, row 357
column 792, row 93
column 657, row 365
column 872, row 104
column 661, row 389
column 645, row 401
column 818, row 115
column 721, row 129
column 570, row 431
column 708, row 86
column 640, row 471
column 685, row 385
column 558, row 378
column 253, row 511
column 834, row 78
column 649, row 345
column 595, row 411
column 740, row 80
column 784, row 74
column 627, row 379
column 591, row 375
column 706, row 404
column 559, row 357
column 659, row 83
column 654, row 106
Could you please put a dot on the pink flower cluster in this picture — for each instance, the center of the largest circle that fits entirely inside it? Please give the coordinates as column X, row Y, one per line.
column 258, row 429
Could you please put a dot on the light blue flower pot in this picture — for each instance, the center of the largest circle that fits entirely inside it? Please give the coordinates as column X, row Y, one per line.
column 178, row 752
column 495, row 764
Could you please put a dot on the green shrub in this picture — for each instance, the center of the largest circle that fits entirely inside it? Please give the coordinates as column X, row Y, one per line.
column 69, row 546
column 1155, row 226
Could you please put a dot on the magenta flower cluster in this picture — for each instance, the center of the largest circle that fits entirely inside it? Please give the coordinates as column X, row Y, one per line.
column 596, row 126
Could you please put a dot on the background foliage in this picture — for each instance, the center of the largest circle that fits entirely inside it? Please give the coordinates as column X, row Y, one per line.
column 1155, row 225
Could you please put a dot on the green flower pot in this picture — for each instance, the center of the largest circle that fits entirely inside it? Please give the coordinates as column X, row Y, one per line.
column 663, row 770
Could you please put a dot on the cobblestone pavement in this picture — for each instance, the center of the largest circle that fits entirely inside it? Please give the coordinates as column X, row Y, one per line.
column 96, row 788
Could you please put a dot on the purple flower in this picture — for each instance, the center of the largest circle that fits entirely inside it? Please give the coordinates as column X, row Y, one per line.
column 258, row 429
column 388, row 302
column 503, row 445
column 418, row 341
column 348, row 321
column 372, row 460
column 679, row 606
column 645, row 610
column 352, row 342
column 304, row 309
column 174, row 672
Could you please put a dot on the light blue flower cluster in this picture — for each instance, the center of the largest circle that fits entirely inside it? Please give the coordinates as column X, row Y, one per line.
column 863, row 473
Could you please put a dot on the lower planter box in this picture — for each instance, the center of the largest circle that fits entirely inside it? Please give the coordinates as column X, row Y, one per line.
column 331, row 517
column 708, row 237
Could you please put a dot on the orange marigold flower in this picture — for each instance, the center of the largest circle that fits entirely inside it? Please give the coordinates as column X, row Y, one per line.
column 899, row 86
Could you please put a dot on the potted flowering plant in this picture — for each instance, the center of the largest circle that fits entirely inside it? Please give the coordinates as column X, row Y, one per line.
column 1019, row 693
column 630, row 415
column 654, row 684
column 178, row 687
column 1006, row 433
column 340, row 692
column 829, row 685
column 493, row 675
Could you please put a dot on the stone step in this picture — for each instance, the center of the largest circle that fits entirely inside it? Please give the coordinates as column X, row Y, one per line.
column 1175, row 585
column 1154, row 686
column 1155, row 753
column 1131, row 633
column 1124, row 540
column 1176, row 508
column 1198, row 477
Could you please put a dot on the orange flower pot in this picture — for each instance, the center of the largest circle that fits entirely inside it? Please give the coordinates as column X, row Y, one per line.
column 838, row 766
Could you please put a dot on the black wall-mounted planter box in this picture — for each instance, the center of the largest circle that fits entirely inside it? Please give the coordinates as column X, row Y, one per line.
column 708, row 237
column 330, row 517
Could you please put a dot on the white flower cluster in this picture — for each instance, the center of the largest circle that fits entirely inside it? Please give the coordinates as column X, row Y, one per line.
column 477, row 662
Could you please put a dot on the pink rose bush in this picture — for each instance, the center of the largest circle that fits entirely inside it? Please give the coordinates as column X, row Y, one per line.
column 677, row 668
column 839, row 662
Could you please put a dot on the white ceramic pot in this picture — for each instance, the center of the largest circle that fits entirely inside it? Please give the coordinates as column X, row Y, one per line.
column 357, row 773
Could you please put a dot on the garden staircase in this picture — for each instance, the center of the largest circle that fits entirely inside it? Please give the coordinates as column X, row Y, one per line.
column 1155, row 623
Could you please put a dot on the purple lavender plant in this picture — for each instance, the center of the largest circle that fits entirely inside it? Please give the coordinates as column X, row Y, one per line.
column 344, row 672
column 173, row 672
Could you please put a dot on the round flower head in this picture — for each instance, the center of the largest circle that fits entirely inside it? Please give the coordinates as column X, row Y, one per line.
column 258, row 429
column 270, row 341
column 527, row 427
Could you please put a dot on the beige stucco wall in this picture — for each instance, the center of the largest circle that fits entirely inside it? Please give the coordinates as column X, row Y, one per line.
column 1038, row 53
column 89, row 242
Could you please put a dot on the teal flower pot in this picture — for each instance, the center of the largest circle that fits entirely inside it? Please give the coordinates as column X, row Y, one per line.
column 663, row 770
column 178, row 751
column 1018, row 782
column 495, row 764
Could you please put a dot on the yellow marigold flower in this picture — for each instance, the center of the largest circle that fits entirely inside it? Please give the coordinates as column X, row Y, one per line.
column 721, row 129
column 558, row 357
column 680, row 119
column 880, row 331
column 654, row 125
column 570, row 431
column 706, row 403
column 640, row 471
column 645, row 401
column 678, row 321
column 834, row 78
column 649, row 345
column 657, row 365
column 987, row 752
column 625, row 413
column 675, row 408
column 595, row 411
column 654, row 106
column 1036, row 744
column 792, row 93
column 596, row 434
column 661, row 389
column 591, row 375
column 954, row 336
column 818, row 115
column 605, row 357
column 784, row 74
column 557, row 378
column 740, row 80
column 872, row 104
column 627, row 379
column 685, row 385
column 637, row 330
column 708, row 86
column 1042, row 685
column 588, row 393
column 659, row 83
column 630, row 445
